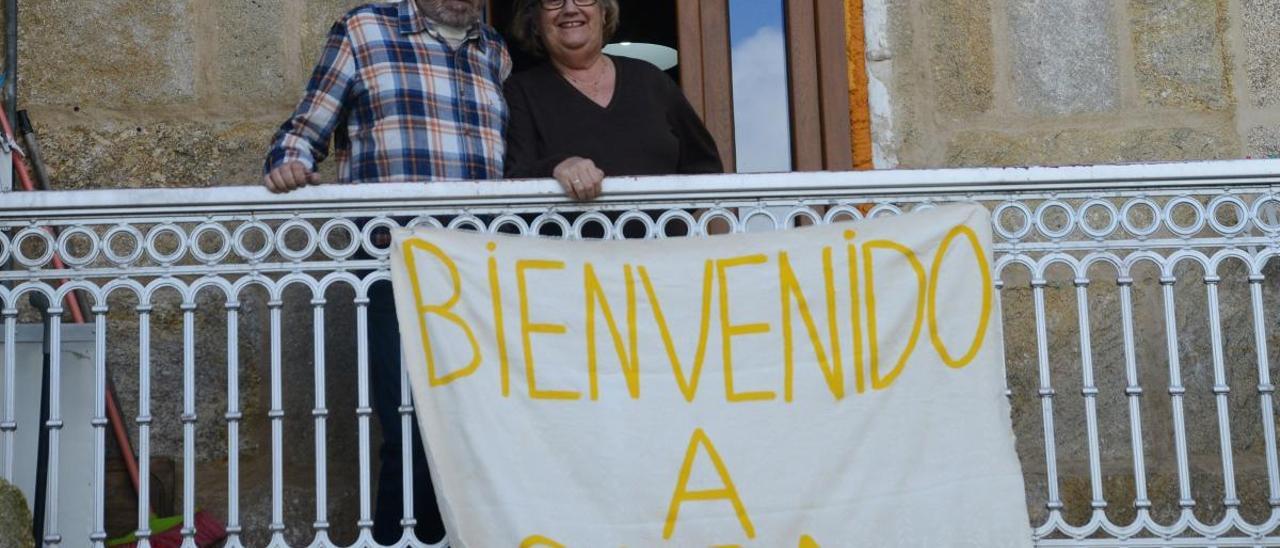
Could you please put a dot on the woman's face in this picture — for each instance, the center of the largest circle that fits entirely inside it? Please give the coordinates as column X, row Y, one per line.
column 572, row 28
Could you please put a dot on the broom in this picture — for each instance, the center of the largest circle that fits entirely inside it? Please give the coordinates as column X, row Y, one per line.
column 209, row 531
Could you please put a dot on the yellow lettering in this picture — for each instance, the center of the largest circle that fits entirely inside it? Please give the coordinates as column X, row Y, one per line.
column 855, row 315
column 879, row 382
column 985, row 313
column 528, row 328
column 630, row 359
column 539, row 541
column 444, row 311
column 499, row 325
column 790, row 287
column 688, row 385
column 726, row 492
column 729, row 330
column 807, row 541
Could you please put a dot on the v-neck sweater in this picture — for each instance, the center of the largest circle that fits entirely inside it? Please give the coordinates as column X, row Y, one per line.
column 648, row 127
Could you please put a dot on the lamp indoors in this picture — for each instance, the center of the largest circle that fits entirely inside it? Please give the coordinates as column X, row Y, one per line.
column 663, row 57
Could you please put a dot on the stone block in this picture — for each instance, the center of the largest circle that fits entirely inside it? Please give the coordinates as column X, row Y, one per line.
column 15, row 518
column 247, row 61
column 1264, row 142
column 1201, row 406
column 1180, row 51
column 961, row 52
column 1069, row 147
column 319, row 18
column 117, row 154
column 1261, row 20
column 110, row 53
column 166, row 366
column 1064, row 56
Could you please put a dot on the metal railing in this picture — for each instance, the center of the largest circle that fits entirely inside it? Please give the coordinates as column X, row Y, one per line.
column 1140, row 303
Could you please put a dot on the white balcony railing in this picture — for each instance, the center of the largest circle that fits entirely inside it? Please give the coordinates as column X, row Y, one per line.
column 1140, row 307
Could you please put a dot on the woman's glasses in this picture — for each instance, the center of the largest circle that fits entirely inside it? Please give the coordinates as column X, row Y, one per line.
column 551, row 5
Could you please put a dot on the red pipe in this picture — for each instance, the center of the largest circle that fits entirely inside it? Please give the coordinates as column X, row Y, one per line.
column 77, row 315
column 24, row 176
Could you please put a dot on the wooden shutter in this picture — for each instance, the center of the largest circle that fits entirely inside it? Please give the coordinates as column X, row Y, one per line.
column 819, row 82
column 705, row 69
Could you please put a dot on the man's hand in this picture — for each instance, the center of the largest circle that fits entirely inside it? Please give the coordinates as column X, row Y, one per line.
column 289, row 176
column 580, row 178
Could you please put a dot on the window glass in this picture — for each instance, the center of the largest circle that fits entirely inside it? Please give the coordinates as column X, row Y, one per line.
column 761, row 115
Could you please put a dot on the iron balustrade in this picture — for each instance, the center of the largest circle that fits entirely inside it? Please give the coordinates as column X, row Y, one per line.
column 1088, row 260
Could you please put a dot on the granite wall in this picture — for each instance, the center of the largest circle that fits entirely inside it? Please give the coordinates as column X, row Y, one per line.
column 143, row 93
column 187, row 93
column 1054, row 82
column 1061, row 82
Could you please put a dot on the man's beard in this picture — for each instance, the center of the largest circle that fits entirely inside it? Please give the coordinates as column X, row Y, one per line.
column 452, row 13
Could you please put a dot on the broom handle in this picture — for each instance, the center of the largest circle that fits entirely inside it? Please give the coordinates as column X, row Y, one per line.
column 77, row 315
column 122, row 438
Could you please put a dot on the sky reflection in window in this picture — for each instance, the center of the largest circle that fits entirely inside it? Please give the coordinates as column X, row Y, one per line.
column 762, row 128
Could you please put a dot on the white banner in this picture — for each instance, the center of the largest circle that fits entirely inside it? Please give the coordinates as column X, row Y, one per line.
column 836, row 386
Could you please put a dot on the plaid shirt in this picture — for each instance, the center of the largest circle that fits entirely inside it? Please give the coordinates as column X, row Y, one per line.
column 401, row 104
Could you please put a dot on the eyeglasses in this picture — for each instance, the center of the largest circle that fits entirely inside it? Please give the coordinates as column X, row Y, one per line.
column 552, row 5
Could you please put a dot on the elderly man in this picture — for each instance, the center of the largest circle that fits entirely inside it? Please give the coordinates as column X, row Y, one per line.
column 408, row 91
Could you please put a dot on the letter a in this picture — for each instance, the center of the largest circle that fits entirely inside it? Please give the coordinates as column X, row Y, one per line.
column 727, row 492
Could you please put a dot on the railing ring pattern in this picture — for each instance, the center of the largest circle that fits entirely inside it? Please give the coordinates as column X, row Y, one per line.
column 633, row 216
column 220, row 253
column 1108, row 209
column 330, row 229
column 309, row 235
column 46, row 240
column 1129, row 211
column 152, row 243
column 1197, row 221
column 241, row 244
column 676, row 215
column 67, row 249
column 593, row 217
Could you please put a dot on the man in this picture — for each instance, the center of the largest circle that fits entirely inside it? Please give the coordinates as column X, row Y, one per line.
column 409, row 91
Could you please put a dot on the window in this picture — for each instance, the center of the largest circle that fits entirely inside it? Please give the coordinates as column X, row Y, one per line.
column 761, row 108
column 769, row 77
column 817, row 92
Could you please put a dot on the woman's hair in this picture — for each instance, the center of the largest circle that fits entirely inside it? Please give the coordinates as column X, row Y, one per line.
column 526, row 34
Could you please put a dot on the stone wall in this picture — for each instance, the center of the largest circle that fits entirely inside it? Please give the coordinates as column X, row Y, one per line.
column 15, row 518
column 131, row 93
column 1053, row 82
column 187, row 93
column 144, row 93
column 137, row 93
column 1060, row 82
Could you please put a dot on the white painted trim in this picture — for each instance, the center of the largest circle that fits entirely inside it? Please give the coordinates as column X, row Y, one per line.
column 879, row 52
column 243, row 199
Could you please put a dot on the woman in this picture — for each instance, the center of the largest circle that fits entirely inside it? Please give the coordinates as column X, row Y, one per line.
column 584, row 115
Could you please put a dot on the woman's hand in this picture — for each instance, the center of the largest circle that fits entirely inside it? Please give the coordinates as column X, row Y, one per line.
column 580, row 178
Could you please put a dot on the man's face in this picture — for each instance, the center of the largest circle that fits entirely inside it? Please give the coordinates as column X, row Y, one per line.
column 457, row 13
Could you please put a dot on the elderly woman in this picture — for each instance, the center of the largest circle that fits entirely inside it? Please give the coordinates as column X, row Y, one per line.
column 583, row 115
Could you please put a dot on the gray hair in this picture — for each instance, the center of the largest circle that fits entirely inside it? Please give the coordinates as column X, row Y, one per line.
column 526, row 34
column 435, row 10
